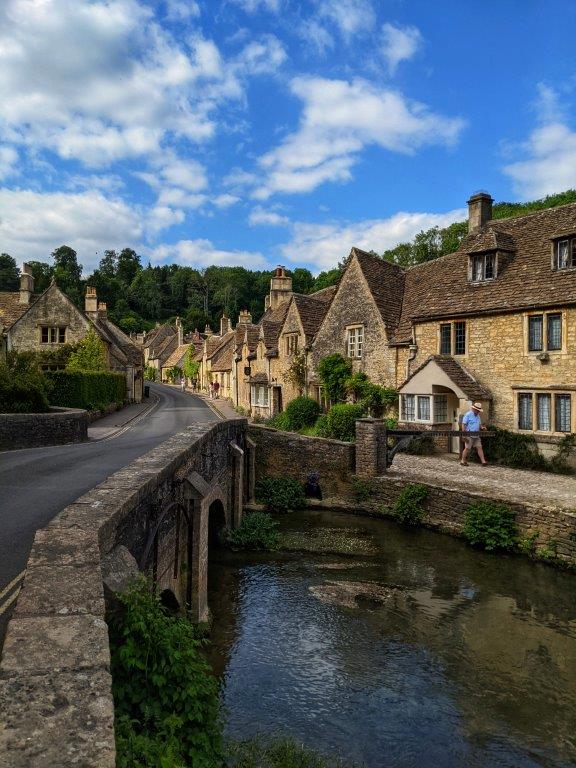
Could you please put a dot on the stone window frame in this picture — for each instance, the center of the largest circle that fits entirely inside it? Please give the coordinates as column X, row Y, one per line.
column 355, row 341
column 453, row 339
column 59, row 331
column 292, row 340
column 482, row 258
column 534, row 395
column 545, row 314
column 256, row 390
column 431, row 397
column 557, row 243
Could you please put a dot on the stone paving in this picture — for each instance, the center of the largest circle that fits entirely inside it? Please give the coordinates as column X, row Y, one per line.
column 511, row 484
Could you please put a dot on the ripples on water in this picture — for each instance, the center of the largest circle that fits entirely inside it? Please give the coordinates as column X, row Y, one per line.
column 422, row 653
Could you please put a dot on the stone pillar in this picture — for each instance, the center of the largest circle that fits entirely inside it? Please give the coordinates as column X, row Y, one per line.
column 237, row 455
column 251, row 460
column 370, row 447
column 199, row 564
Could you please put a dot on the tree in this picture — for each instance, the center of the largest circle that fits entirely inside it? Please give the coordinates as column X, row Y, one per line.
column 190, row 366
column 107, row 266
column 296, row 373
column 128, row 266
column 302, row 280
column 68, row 273
column 145, row 295
column 9, row 273
column 42, row 274
column 326, row 279
column 89, row 355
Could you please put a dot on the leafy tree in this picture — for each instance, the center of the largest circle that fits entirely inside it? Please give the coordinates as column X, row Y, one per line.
column 334, row 370
column 145, row 295
column 68, row 273
column 127, row 266
column 89, row 355
column 296, row 373
column 42, row 274
column 107, row 266
column 328, row 278
column 302, row 280
column 190, row 366
column 9, row 273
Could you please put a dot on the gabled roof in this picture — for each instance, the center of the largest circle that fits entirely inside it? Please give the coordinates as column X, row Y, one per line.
column 10, row 307
column 386, row 283
column 177, row 357
column 164, row 349
column 130, row 351
column 312, row 310
column 456, row 372
column 488, row 239
column 157, row 335
column 271, row 324
column 525, row 279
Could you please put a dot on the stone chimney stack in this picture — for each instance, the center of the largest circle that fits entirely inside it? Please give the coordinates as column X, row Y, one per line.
column 225, row 325
column 479, row 211
column 91, row 302
column 244, row 318
column 208, row 331
column 26, row 284
column 280, row 288
column 179, row 331
column 102, row 310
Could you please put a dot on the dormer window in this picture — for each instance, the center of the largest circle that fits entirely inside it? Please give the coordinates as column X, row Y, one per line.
column 482, row 267
column 565, row 253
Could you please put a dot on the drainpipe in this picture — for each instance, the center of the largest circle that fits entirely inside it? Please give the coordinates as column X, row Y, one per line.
column 413, row 349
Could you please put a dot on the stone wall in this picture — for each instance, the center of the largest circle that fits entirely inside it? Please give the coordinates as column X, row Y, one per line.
column 34, row 430
column 55, row 684
column 286, row 453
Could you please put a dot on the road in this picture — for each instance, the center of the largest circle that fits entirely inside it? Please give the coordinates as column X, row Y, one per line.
column 36, row 483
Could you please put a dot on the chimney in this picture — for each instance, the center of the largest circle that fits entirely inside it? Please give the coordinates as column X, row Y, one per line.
column 26, row 284
column 280, row 288
column 102, row 310
column 479, row 210
column 244, row 318
column 225, row 325
column 179, row 331
column 208, row 331
column 91, row 302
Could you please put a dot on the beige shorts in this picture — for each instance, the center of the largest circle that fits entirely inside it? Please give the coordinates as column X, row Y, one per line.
column 472, row 442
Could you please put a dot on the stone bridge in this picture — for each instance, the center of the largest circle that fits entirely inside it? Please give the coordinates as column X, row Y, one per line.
column 160, row 515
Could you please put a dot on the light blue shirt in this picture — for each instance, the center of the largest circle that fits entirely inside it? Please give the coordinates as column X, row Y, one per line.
column 471, row 421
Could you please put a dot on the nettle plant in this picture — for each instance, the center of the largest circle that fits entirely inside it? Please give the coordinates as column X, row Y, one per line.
column 490, row 526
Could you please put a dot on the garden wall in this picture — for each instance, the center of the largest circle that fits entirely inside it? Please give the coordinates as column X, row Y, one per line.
column 35, row 430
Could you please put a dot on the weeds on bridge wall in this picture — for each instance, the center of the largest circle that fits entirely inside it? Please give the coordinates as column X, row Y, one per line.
column 490, row 526
column 408, row 507
column 280, row 494
column 257, row 531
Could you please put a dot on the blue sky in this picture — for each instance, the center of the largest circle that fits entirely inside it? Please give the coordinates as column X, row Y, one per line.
column 259, row 132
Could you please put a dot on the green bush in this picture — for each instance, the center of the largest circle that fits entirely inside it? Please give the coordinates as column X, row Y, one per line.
column 334, row 370
column 150, row 373
column 361, row 490
column 165, row 697
column 257, row 531
column 302, row 412
column 514, row 450
column 281, row 494
column 279, row 421
column 408, row 507
column 23, row 386
column 490, row 526
column 341, row 422
column 320, row 428
column 89, row 354
column 423, row 446
column 86, row 389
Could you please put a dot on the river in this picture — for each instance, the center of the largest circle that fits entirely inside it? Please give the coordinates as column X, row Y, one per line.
column 409, row 650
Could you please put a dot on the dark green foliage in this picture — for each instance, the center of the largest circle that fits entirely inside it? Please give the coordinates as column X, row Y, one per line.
column 374, row 398
column 68, row 273
column 341, row 422
column 334, row 370
column 166, row 699
column 150, row 373
column 280, row 421
column 506, row 210
column 328, row 278
column 490, row 526
column 278, row 753
column 280, row 494
column 302, row 280
column 86, row 389
column 423, row 446
column 42, row 274
column 361, row 490
column 408, row 507
column 89, row 354
column 514, row 450
column 302, row 412
column 257, row 531
column 9, row 273
column 321, row 429
column 23, row 387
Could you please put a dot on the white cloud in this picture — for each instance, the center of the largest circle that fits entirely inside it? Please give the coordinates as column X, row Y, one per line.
column 262, row 56
column 260, row 216
column 253, row 6
column 8, row 160
column 399, row 44
column 163, row 217
column 324, row 245
column 351, row 17
column 32, row 224
column 203, row 253
column 181, row 10
column 225, row 200
column 339, row 119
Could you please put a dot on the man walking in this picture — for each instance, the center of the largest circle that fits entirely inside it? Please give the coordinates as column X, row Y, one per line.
column 472, row 423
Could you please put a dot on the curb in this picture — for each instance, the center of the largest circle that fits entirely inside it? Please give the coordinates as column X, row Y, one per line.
column 130, row 422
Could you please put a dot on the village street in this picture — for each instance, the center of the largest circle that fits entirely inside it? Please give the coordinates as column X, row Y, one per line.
column 35, row 484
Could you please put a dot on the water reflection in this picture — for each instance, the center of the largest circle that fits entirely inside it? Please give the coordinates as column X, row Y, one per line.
column 416, row 652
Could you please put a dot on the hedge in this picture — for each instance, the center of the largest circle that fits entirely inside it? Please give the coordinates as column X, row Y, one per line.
column 92, row 390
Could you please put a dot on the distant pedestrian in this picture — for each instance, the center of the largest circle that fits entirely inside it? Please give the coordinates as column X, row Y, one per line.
column 182, row 384
column 472, row 423
column 216, row 387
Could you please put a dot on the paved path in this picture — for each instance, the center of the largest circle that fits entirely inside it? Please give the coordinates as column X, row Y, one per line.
column 36, row 483
column 512, row 484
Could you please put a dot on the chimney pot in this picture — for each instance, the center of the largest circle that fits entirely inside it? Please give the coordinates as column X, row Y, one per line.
column 91, row 302
column 479, row 210
column 26, row 284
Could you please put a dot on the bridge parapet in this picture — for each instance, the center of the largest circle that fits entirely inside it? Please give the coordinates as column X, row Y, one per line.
column 55, row 684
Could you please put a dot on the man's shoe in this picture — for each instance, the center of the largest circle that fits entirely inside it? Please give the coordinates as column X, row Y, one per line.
column 463, row 463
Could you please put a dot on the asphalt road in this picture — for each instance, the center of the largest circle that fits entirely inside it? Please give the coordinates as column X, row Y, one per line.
column 36, row 483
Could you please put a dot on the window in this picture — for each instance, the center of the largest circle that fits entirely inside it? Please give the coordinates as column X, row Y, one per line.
column 408, row 408
column 260, row 396
column 525, row 411
column 419, row 408
column 53, row 334
column 423, row 408
column 543, row 412
column 355, row 341
column 292, row 344
column 440, row 408
column 565, row 253
column 483, row 267
column 553, row 336
column 453, row 338
column 563, row 413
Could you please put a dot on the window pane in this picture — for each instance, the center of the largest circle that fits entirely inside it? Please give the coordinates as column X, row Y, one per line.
column 423, row 408
column 351, row 342
column 459, row 338
column 44, row 335
column 489, row 268
column 573, row 260
column 562, row 254
column 360, row 341
column 563, row 413
column 477, row 268
column 544, row 408
column 535, row 333
column 440, row 408
column 554, row 331
column 408, row 408
column 525, row 411
column 61, row 335
column 445, row 339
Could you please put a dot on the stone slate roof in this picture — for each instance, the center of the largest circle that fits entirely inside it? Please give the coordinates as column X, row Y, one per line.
column 124, row 343
column 177, row 357
column 259, row 378
column 525, row 279
column 456, row 373
column 312, row 310
column 386, row 284
column 271, row 323
column 164, row 349
column 157, row 335
column 222, row 356
column 10, row 307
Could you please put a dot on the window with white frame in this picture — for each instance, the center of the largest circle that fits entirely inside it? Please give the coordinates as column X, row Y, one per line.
column 545, row 411
column 52, row 334
column 355, row 341
column 259, row 396
column 565, row 253
column 424, row 408
column 545, row 332
column 482, row 267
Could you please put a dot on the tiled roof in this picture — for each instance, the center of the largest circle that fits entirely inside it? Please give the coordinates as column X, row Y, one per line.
column 271, row 323
column 488, row 239
column 10, row 307
column 158, row 334
column 216, row 343
column 456, row 372
column 259, row 378
column 525, row 279
column 177, row 357
column 324, row 294
column 163, row 351
column 311, row 310
column 222, row 360
column 130, row 350
column 386, row 284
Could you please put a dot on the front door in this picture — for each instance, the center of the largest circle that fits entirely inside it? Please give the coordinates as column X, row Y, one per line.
column 276, row 400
